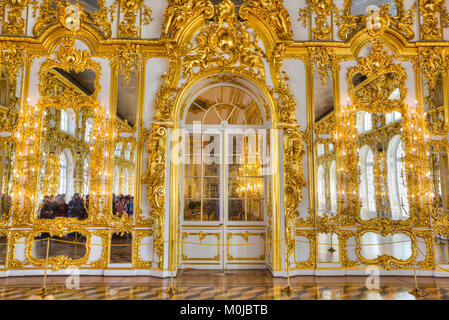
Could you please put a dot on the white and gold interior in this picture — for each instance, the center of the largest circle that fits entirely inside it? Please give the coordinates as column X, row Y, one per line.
column 308, row 136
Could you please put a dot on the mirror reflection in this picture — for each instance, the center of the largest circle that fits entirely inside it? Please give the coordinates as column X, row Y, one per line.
column 442, row 249
column 125, row 146
column 58, row 246
column 121, row 247
column 434, row 103
column 3, row 248
column 10, row 91
column 381, row 166
column 439, row 174
column 328, row 251
column 7, row 160
column 326, row 161
column 64, row 178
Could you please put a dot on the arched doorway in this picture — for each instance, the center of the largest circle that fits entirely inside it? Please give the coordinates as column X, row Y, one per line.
column 224, row 178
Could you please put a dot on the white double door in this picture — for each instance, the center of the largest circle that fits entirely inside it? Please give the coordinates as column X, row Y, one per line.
column 223, row 208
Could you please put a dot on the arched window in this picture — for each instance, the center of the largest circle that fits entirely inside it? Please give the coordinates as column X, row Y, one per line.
column 118, row 149
column 86, row 176
column 88, row 131
column 366, row 188
column 393, row 117
column 364, row 122
column 333, row 186
column 397, row 180
column 128, row 151
column 64, row 121
column 71, row 121
column 116, row 180
column 320, row 150
column 63, row 173
column 368, row 122
column 126, row 182
column 321, row 190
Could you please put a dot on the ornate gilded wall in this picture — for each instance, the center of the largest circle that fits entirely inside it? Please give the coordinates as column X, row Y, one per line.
column 288, row 50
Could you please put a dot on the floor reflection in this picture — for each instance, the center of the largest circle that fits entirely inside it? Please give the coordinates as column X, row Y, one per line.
column 121, row 248
column 227, row 285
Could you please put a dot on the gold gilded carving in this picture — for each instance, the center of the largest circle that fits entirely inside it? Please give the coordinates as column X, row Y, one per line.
column 382, row 78
column 432, row 63
column 311, row 263
column 272, row 13
column 322, row 9
column 294, row 182
column 137, row 261
column 244, row 235
column 429, row 26
column 127, row 59
column 14, row 263
column 224, row 43
column 59, row 229
column 324, row 61
column 130, row 8
column 12, row 61
column 16, row 23
column 402, row 22
column 154, row 178
column 343, row 236
column 201, row 235
column 102, row 262
column 180, row 12
column 70, row 16
column 386, row 260
column 427, row 263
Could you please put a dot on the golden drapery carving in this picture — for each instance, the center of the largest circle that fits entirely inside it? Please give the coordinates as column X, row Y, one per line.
column 154, row 178
column 294, row 183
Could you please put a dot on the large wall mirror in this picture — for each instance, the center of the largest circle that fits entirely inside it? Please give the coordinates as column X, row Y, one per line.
column 434, row 103
column 324, row 145
column 125, row 144
column 71, row 148
column 376, row 87
column 7, row 160
column 64, row 176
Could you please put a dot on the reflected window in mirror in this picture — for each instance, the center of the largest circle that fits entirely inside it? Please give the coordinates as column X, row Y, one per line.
column 88, row 131
column 397, row 180
column 364, row 122
column 321, row 190
column 86, row 176
column 333, row 185
column 366, row 187
column 392, row 117
column 116, row 180
column 439, row 173
column 65, row 172
column 320, row 150
column 118, row 149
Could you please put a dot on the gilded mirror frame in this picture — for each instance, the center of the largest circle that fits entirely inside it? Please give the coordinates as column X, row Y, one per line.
column 59, row 261
column 386, row 260
column 69, row 58
column 379, row 64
